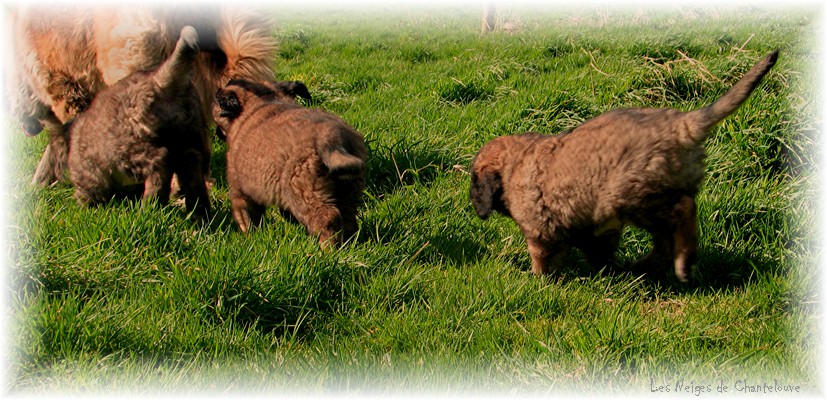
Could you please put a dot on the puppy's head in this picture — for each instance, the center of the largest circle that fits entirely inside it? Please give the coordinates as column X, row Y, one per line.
column 239, row 94
column 491, row 167
column 228, row 106
column 486, row 178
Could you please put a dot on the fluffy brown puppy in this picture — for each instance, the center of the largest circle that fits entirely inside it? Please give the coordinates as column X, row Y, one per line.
column 141, row 130
column 66, row 53
column 640, row 166
column 306, row 161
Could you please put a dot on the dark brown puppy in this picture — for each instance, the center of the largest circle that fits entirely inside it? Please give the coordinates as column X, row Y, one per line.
column 307, row 162
column 142, row 130
column 67, row 53
column 633, row 166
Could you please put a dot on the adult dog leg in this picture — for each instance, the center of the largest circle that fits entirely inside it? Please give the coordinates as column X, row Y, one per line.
column 53, row 164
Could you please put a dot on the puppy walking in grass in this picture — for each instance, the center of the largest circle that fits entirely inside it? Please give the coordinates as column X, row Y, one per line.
column 641, row 166
column 142, row 130
column 307, row 162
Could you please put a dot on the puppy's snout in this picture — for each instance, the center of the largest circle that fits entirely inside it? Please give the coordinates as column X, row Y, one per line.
column 31, row 127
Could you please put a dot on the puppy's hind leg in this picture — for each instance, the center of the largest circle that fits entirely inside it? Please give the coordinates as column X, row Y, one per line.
column 686, row 236
column 157, row 186
column 655, row 263
column 348, row 197
column 674, row 239
column 320, row 217
column 192, row 181
column 316, row 209
column 92, row 186
column 90, row 198
column 326, row 223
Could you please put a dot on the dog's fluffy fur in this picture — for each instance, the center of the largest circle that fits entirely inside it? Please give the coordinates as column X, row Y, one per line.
column 65, row 54
column 306, row 161
column 633, row 166
column 141, row 130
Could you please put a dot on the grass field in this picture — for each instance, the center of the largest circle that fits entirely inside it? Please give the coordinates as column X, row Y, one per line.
column 428, row 298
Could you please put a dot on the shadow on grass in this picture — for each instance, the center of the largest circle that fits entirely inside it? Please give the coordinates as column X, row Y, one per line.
column 714, row 271
column 422, row 245
column 404, row 163
column 459, row 251
column 295, row 313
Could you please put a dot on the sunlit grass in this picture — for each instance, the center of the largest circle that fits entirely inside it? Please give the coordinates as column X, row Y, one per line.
column 428, row 297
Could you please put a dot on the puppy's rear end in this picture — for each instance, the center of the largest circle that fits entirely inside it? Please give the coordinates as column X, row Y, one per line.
column 343, row 152
column 191, row 166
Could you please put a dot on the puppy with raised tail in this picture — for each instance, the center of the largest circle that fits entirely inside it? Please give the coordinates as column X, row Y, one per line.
column 306, row 161
column 142, row 130
column 639, row 167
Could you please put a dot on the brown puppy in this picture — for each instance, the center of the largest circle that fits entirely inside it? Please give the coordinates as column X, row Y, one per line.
column 65, row 54
column 633, row 166
column 141, row 130
column 308, row 162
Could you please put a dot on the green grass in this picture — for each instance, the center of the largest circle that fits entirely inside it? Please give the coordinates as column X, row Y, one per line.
column 428, row 298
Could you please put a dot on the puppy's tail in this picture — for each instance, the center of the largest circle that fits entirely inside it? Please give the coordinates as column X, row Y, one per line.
column 344, row 162
column 343, row 165
column 176, row 70
column 701, row 121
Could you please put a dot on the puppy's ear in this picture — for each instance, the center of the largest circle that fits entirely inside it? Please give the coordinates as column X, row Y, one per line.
column 229, row 104
column 296, row 89
column 486, row 190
